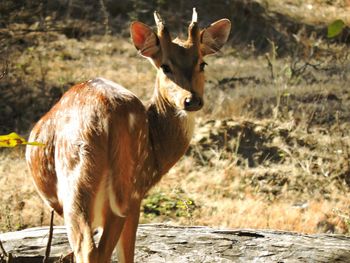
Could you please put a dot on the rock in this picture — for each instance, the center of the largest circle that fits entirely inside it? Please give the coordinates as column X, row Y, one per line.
column 164, row 243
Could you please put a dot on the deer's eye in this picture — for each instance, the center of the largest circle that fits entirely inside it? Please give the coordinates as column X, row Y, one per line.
column 202, row 66
column 166, row 69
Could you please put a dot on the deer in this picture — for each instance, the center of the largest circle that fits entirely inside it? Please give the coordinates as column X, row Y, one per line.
column 105, row 149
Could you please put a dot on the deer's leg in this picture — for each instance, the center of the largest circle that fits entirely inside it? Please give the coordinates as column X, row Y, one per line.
column 126, row 243
column 81, row 240
column 111, row 232
column 79, row 230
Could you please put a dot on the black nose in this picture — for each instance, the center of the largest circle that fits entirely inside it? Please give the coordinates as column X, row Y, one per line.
column 193, row 103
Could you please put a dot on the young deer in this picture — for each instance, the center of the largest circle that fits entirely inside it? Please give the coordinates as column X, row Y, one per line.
column 104, row 149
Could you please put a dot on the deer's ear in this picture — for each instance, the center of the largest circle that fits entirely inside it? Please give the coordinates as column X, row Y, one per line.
column 145, row 40
column 215, row 36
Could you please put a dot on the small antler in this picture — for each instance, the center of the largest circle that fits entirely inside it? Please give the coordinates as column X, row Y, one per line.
column 194, row 15
column 193, row 28
column 159, row 22
column 163, row 32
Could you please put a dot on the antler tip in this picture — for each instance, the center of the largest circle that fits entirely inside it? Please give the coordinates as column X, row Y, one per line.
column 156, row 17
column 194, row 15
column 159, row 22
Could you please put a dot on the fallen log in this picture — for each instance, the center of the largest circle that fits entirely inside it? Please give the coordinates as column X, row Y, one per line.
column 164, row 243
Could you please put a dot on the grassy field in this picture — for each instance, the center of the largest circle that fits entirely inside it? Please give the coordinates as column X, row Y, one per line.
column 271, row 147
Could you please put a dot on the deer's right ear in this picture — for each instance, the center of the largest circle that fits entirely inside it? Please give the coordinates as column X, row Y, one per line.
column 145, row 39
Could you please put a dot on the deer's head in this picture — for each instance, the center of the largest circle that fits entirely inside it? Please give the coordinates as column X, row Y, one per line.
column 180, row 63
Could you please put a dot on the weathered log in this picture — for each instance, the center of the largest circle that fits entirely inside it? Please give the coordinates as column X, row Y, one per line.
column 164, row 243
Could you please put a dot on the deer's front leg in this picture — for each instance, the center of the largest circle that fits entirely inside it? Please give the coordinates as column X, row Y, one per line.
column 126, row 243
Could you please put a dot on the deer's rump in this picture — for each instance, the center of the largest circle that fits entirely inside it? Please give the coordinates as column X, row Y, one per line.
column 84, row 133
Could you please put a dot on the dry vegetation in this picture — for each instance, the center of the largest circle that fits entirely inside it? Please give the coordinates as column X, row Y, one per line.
column 272, row 145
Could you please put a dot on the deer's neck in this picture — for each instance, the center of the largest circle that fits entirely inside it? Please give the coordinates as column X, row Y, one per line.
column 170, row 132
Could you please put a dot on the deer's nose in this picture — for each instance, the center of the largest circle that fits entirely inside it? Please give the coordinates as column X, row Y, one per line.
column 193, row 103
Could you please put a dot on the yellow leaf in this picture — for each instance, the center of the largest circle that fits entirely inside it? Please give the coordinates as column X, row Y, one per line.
column 13, row 140
column 35, row 143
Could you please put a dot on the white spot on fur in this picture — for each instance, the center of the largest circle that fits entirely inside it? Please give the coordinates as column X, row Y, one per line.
column 49, row 167
column 139, row 149
column 140, row 134
column 47, row 152
column 145, row 155
column 132, row 121
column 136, row 195
column 104, row 126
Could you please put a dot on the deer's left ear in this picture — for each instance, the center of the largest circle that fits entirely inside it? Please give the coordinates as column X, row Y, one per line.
column 215, row 36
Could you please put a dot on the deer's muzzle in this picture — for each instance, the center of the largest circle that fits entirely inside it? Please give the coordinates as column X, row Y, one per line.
column 193, row 103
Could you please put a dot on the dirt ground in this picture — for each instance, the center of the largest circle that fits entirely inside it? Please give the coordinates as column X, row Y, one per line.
column 271, row 147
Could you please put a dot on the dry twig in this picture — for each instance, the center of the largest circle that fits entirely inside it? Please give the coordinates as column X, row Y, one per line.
column 3, row 251
column 48, row 247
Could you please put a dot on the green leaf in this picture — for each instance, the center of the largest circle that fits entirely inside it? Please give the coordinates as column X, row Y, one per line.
column 335, row 28
column 13, row 140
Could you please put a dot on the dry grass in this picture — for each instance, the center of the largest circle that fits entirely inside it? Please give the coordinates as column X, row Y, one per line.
column 20, row 205
column 298, row 175
column 304, row 190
